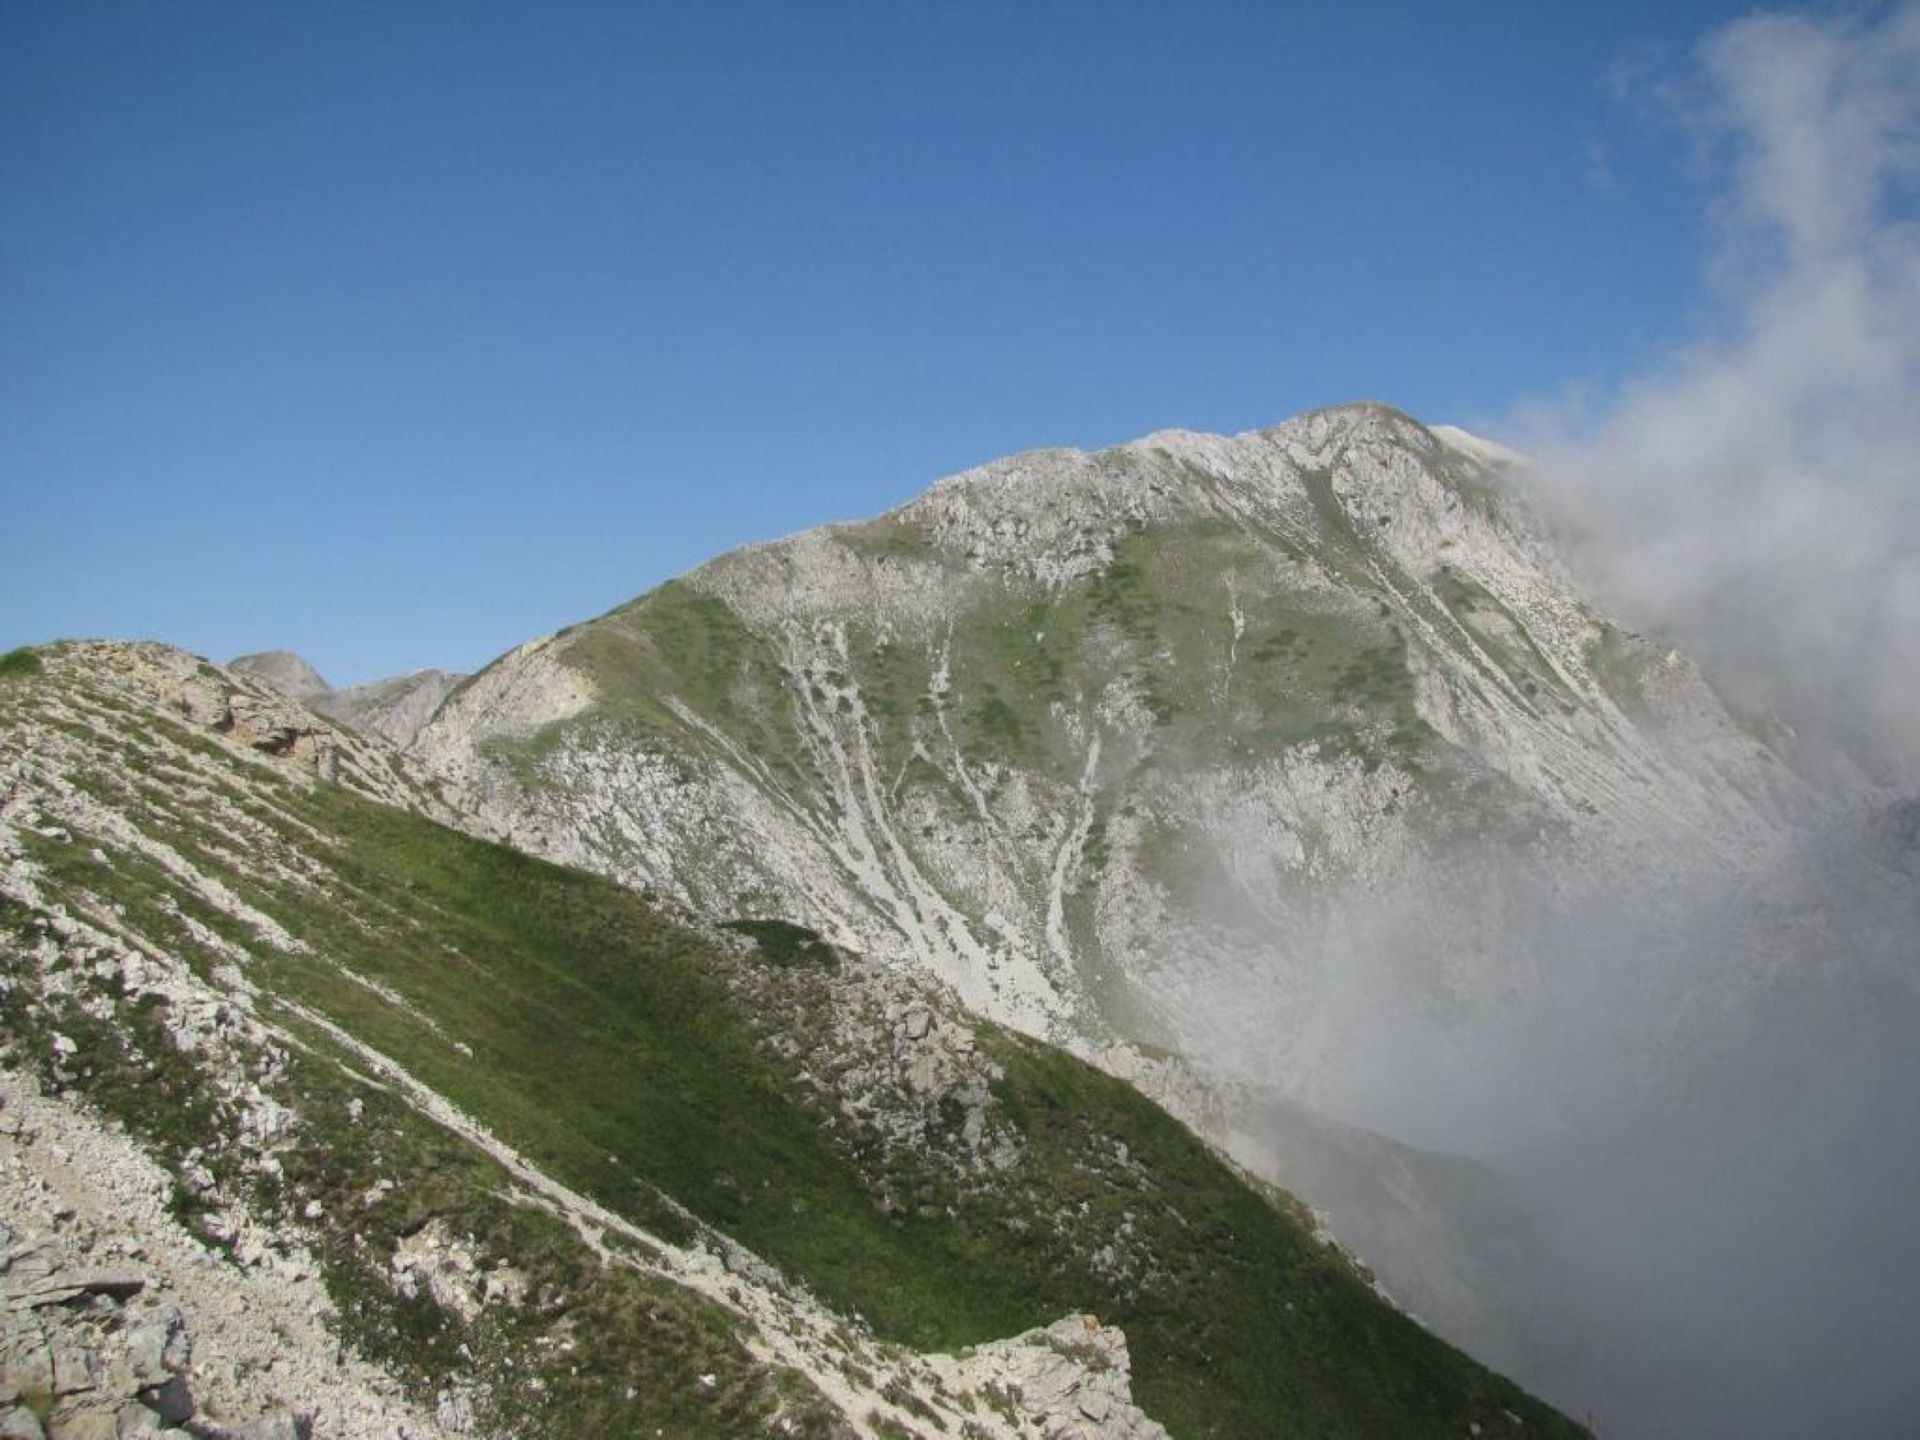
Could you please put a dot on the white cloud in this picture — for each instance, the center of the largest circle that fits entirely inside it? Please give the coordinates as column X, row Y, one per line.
column 1759, row 493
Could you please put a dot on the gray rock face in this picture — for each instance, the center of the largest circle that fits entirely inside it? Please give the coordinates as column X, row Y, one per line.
column 1071, row 1376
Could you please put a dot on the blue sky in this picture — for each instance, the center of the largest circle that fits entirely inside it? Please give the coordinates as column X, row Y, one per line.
column 396, row 334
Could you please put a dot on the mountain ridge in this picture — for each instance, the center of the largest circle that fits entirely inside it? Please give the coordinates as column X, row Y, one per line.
column 1060, row 544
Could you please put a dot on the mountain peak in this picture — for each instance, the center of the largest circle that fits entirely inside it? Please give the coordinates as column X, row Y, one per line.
column 284, row 671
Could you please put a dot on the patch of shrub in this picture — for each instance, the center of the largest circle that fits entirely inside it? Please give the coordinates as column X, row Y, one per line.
column 20, row 663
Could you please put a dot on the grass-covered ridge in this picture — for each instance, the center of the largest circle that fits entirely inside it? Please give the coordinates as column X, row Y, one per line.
column 659, row 1070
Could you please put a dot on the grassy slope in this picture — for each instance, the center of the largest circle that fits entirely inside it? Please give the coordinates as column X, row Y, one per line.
column 598, row 1350
column 605, row 1044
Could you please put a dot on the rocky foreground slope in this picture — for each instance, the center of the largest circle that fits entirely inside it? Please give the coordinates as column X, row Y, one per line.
column 320, row 1115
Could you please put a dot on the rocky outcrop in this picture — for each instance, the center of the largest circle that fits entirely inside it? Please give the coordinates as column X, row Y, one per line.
column 1071, row 1377
column 99, row 1351
column 244, row 713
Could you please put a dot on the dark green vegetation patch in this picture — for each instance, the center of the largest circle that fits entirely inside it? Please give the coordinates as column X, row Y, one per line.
column 20, row 662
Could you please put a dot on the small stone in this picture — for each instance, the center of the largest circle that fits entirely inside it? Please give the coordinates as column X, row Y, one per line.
column 30, row 1261
column 117, row 1284
column 157, row 1346
column 172, row 1402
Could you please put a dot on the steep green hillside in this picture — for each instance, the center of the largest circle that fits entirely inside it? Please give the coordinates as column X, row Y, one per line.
column 946, row 1180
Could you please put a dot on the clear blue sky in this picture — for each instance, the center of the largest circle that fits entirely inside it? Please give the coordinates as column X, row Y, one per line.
column 395, row 334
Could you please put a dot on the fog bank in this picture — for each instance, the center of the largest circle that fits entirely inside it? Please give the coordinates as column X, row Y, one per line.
column 1702, row 1106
